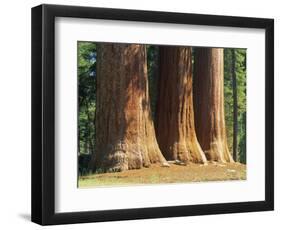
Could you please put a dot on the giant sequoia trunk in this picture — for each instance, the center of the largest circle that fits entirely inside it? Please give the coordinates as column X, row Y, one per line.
column 125, row 136
column 175, row 116
column 209, row 103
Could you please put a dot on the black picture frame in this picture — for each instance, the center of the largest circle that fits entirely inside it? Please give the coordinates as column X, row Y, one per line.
column 43, row 110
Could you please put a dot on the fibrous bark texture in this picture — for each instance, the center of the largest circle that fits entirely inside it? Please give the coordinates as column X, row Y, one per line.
column 209, row 103
column 125, row 135
column 175, row 128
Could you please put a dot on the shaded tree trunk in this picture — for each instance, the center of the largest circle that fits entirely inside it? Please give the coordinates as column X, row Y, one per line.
column 153, row 75
column 175, row 116
column 209, row 104
column 235, row 104
column 125, row 136
column 90, row 139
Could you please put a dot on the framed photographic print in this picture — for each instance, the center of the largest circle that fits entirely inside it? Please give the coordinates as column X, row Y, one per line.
column 142, row 114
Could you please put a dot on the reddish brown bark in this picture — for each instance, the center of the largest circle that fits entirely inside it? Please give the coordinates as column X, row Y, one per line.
column 125, row 136
column 175, row 116
column 209, row 104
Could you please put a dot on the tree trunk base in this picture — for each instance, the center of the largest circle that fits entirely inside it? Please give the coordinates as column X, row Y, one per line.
column 218, row 153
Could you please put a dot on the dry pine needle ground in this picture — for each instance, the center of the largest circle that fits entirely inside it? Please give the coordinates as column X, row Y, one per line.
column 173, row 174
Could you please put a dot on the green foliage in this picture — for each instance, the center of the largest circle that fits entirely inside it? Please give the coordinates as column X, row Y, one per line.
column 242, row 143
column 240, row 71
column 87, row 96
column 153, row 71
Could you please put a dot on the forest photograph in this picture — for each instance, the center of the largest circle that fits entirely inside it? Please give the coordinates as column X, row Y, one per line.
column 158, row 114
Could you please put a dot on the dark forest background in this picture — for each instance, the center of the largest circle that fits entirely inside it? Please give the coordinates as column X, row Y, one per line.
column 234, row 98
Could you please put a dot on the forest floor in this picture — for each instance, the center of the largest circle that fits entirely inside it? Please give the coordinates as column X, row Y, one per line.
column 162, row 175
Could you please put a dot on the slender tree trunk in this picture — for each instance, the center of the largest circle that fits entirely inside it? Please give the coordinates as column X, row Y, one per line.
column 175, row 116
column 209, row 104
column 89, row 128
column 235, row 104
column 79, row 152
column 153, row 80
column 125, row 136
